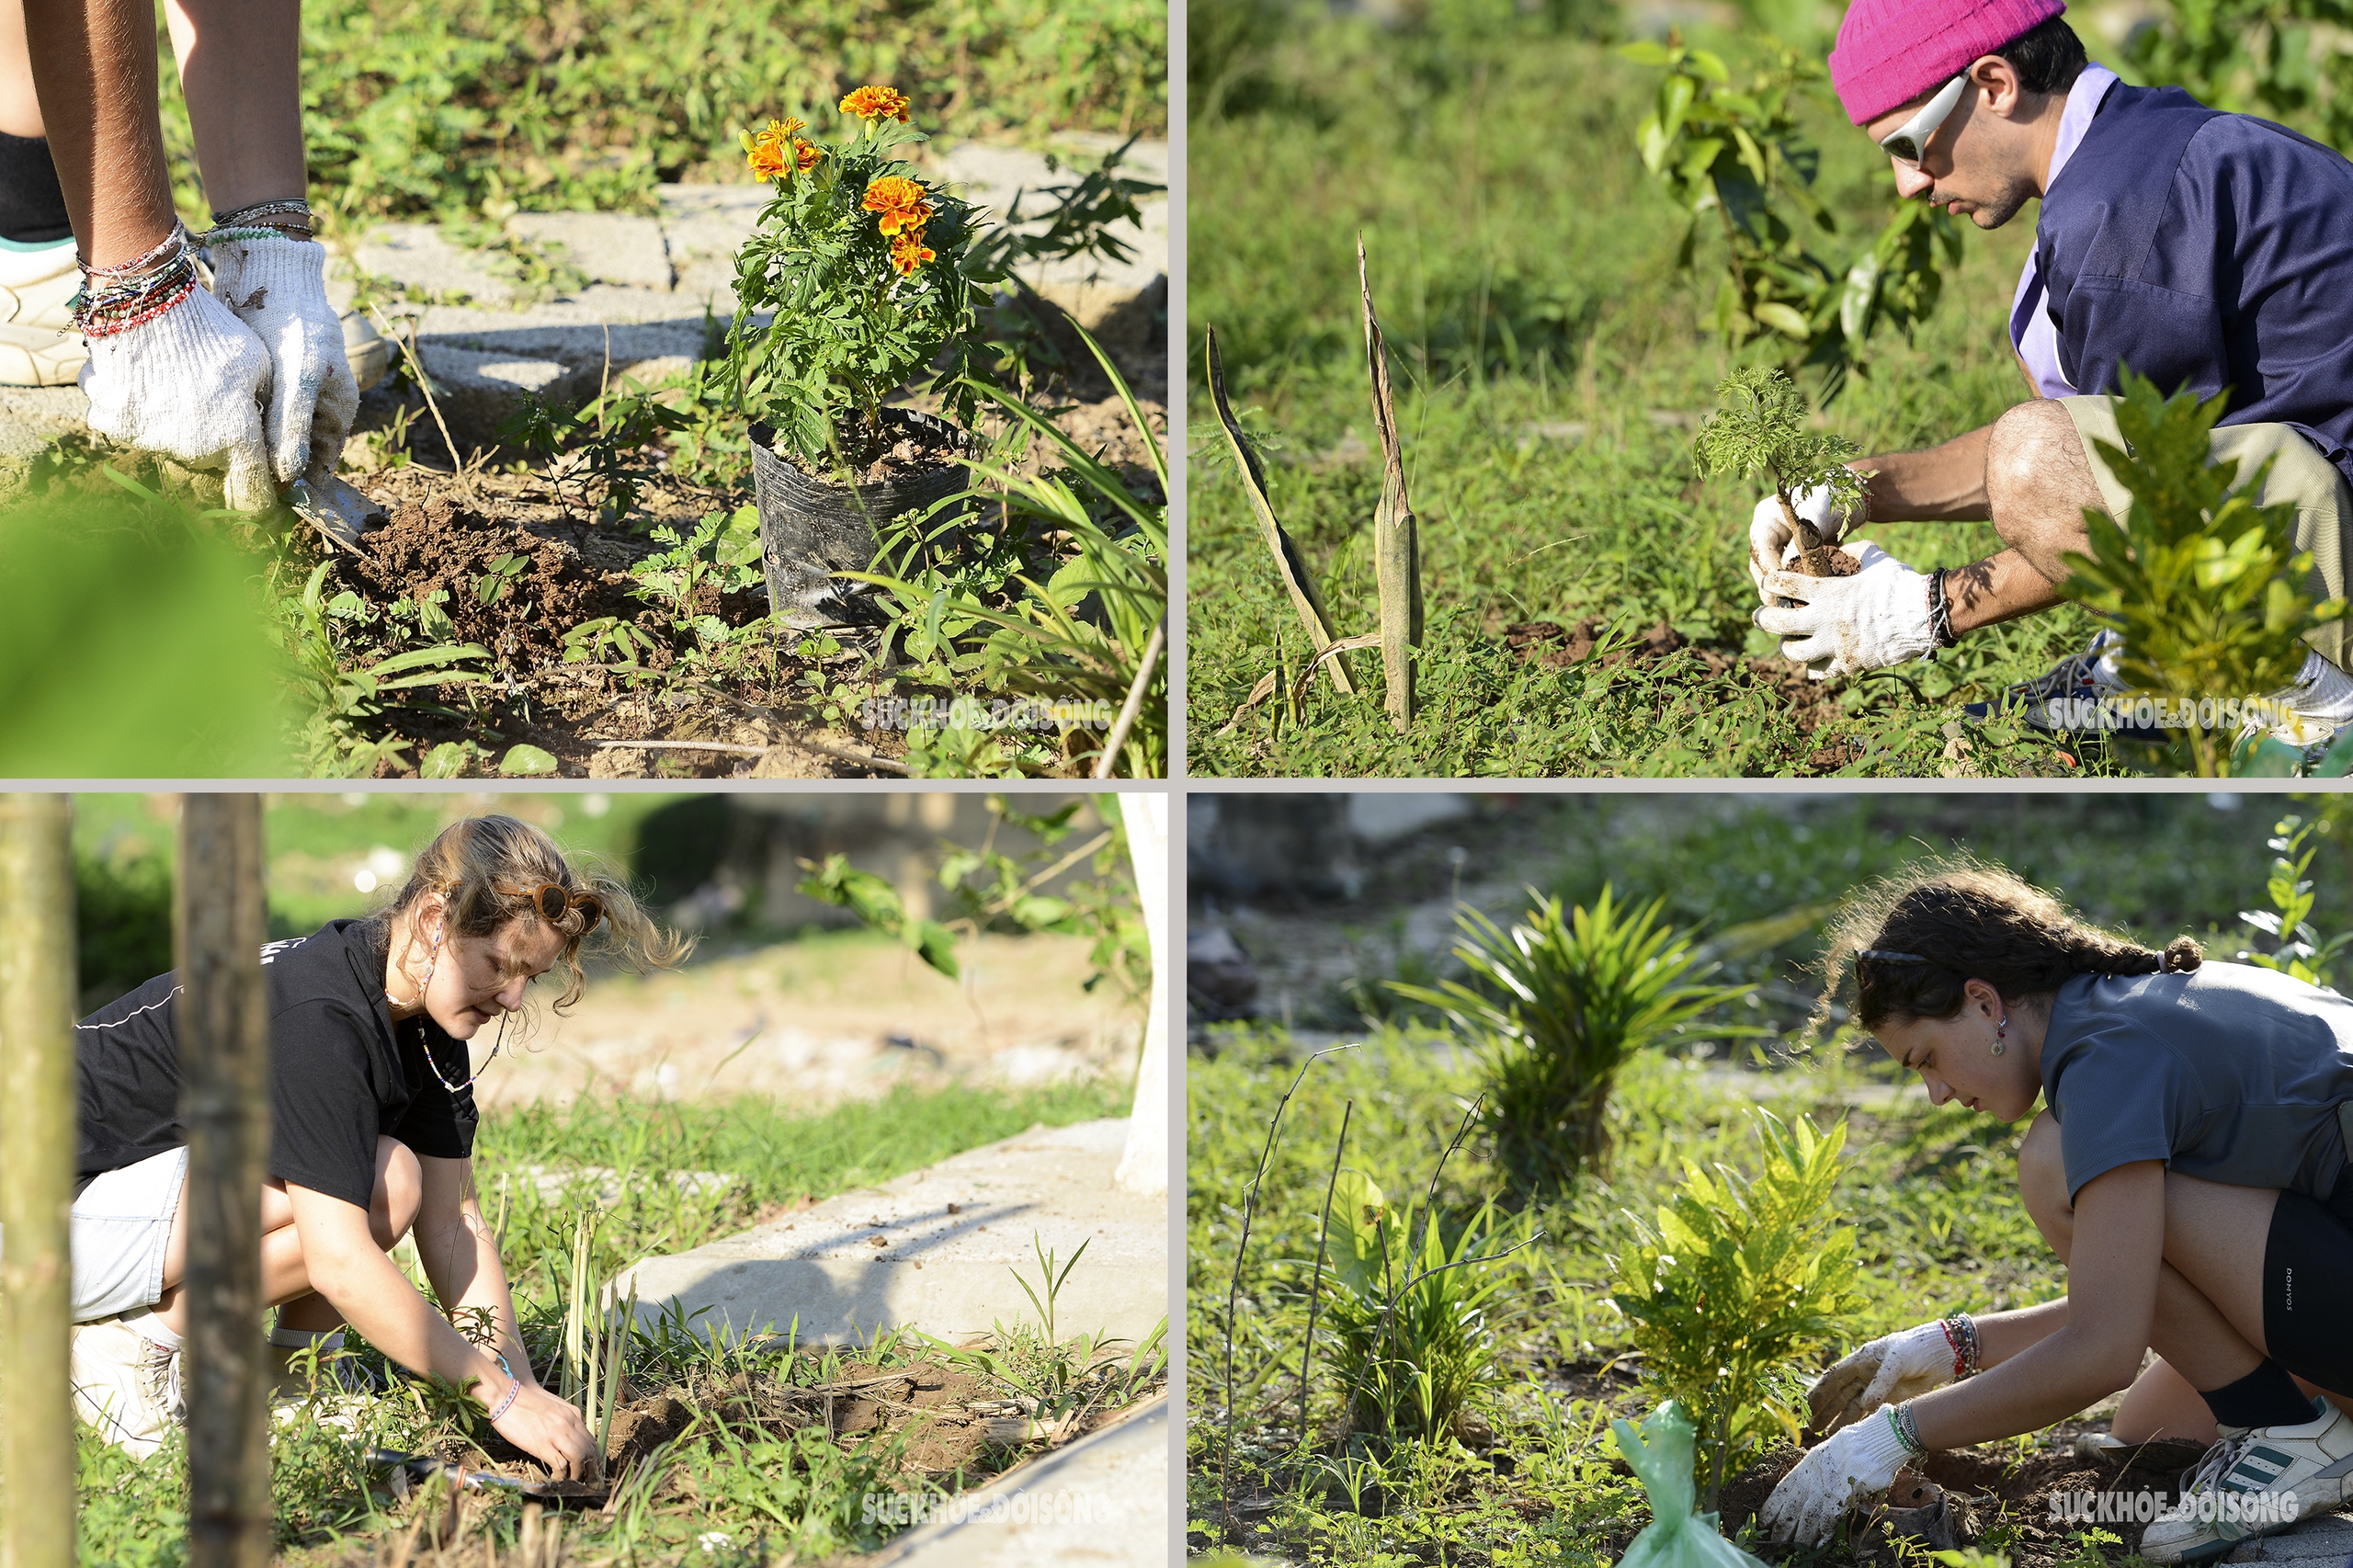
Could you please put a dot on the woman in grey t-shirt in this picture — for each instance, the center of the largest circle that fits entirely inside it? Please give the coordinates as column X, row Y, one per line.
column 2189, row 1168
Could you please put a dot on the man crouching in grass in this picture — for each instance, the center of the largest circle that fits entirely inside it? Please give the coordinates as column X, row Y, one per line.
column 2204, row 250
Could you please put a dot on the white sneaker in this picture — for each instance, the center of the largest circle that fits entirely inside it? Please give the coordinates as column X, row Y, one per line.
column 126, row 1385
column 40, row 347
column 39, row 344
column 2257, row 1480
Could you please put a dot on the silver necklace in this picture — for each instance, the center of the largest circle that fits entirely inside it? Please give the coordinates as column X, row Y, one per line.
column 425, row 1044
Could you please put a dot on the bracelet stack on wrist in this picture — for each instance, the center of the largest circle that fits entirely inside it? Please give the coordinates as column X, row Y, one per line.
column 115, row 299
column 1960, row 1333
column 286, row 218
column 1907, row 1431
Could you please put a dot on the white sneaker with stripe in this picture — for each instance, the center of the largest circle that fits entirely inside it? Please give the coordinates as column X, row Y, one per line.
column 2257, row 1480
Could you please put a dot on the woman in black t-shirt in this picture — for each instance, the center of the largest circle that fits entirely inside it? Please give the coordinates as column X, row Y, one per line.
column 372, row 1139
column 2200, row 1197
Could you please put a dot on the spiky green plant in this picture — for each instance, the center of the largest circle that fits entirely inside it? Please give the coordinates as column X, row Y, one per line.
column 1759, row 429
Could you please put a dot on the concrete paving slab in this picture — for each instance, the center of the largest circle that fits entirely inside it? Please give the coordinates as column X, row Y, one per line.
column 32, row 417
column 610, row 247
column 651, row 278
column 1103, row 1500
column 938, row 1249
column 2324, row 1542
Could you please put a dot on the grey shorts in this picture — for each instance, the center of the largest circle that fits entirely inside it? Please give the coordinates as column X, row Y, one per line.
column 122, row 1223
column 2298, row 474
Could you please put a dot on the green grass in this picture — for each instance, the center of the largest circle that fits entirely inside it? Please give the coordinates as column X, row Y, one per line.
column 767, row 1492
column 1523, row 265
column 1931, row 1192
column 449, row 107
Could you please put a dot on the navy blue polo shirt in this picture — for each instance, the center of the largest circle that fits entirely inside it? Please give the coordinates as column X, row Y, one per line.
column 2209, row 251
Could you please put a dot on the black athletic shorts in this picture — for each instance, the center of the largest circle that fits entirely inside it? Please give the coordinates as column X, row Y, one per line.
column 2308, row 1287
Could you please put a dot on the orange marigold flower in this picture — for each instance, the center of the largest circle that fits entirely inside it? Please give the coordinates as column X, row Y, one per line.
column 901, row 202
column 807, row 152
column 877, row 103
column 766, row 150
column 908, row 252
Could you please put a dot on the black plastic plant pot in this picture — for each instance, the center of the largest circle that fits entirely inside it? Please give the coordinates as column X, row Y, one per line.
column 811, row 528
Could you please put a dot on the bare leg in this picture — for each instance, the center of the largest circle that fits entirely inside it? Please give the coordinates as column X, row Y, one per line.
column 94, row 64
column 392, row 1210
column 2038, row 482
column 240, row 65
column 2209, row 1327
column 19, row 105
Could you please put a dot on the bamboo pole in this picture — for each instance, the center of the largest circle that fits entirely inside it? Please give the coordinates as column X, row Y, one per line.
column 222, row 1027
column 38, row 1135
column 1396, row 539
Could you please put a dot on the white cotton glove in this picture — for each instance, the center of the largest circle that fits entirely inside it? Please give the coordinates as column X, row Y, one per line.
column 277, row 288
column 1877, row 618
column 1889, row 1370
column 192, row 386
column 1850, row 1464
column 1771, row 539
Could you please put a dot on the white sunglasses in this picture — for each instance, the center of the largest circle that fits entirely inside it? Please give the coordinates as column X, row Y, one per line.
column 1909, row 142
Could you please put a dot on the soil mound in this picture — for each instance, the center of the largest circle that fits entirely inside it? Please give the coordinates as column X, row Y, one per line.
column 514, row 591
column 1957, row 1498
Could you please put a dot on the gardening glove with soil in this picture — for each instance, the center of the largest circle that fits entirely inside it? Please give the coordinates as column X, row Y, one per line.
column 1889, row 1370
column 1851, row 1464
column 1771, row 540
column 190, row 385
column 277, row 286
column 1844, row 625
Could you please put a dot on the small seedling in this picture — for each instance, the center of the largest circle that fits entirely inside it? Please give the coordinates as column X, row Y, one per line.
column 1048, row 1279
column 1758, row 428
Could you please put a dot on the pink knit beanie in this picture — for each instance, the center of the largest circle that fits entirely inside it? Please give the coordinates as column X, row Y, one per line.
column 1891, row 51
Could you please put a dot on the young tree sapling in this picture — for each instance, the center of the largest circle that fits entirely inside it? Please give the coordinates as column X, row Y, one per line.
column 1758, row 427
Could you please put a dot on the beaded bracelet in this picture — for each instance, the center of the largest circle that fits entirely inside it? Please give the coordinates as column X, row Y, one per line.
column 115, row 299
column 293, row 207
column 513, row 1387
column 1907, row 1431
column 1960, row 1333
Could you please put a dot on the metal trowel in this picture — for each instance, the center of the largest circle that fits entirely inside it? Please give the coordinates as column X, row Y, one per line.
column 334, row 507
column 408, row 1468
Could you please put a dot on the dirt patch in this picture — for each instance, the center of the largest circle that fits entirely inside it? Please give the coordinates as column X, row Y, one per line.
column 512, row 589
column 1556, row 647
column 1958, row 1498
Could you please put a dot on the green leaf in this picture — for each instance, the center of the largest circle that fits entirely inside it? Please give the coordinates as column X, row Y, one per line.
column 527, row 760
column 446, row 760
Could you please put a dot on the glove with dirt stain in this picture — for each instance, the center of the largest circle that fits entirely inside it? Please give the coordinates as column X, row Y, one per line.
column 1806, row 1506
column 1772, row 542
column 189, row 385
column 1889, row 1370
column 277, row 286
column 1844, row 625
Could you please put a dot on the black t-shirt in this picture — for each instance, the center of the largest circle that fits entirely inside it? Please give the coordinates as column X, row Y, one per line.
column 341, row 1072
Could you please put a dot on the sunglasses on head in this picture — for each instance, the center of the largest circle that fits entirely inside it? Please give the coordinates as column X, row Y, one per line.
column 1909, row 142
column 551, row 899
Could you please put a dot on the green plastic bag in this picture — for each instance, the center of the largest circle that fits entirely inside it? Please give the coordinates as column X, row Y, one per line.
column 1659, row 1453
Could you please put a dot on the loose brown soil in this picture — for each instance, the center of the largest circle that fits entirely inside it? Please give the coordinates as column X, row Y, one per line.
column 765, row 720
column 1958, row 1498
column 1841, row 564
column 903, row 451
column 954, row 1430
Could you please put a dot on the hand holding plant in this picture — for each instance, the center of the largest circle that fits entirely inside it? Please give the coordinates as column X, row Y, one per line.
column 866, row 274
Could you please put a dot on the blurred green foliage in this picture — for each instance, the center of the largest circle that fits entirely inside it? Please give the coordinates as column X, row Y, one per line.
column 131, row 644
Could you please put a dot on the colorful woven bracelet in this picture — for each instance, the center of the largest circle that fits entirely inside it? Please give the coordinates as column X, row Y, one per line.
column 1907, row 1431
column 1960, row 1333
column 291, row 206
column 119, row 311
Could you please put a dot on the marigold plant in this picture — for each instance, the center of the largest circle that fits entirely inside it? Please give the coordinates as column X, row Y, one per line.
column 858, row 277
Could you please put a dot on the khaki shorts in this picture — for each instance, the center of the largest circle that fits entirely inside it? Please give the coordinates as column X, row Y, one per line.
column 2299, row 473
